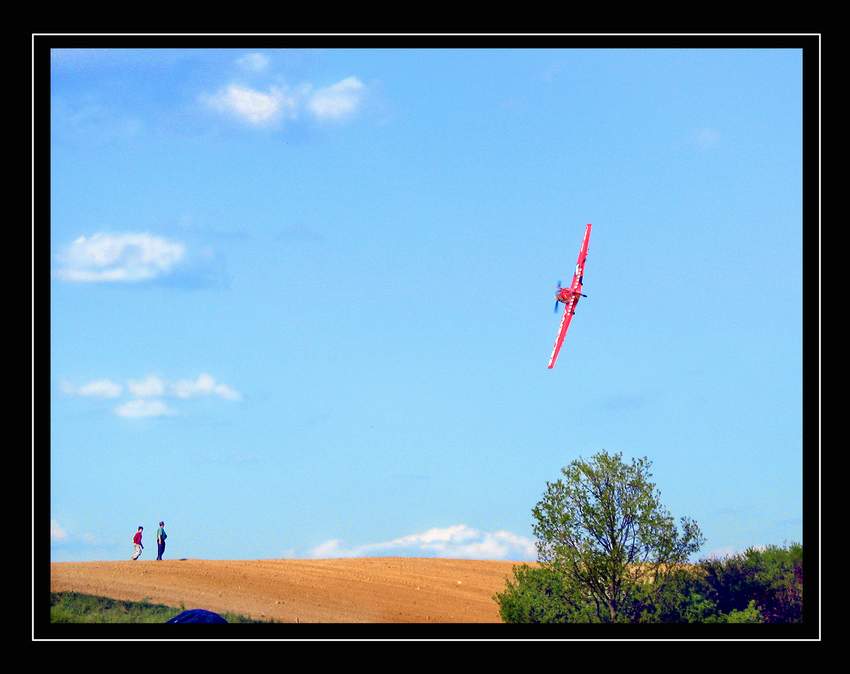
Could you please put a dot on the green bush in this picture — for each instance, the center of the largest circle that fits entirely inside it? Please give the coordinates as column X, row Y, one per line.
column 771, row 577
column 73, row 607
column 755, row 586
column 751, row 614
column 539, row 595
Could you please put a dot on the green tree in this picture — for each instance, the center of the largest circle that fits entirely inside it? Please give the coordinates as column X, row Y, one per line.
column 771, row 576
column 603, row 531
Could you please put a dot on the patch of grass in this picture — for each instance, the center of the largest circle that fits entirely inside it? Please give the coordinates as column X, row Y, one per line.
column 74, row 607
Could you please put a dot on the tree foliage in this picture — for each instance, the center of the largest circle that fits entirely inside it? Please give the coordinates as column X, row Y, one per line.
column 603, row 529
column 771, row 577
column 608, row 551
column 539, row 595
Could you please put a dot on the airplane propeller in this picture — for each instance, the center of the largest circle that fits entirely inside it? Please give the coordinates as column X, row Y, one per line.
column 555, row 310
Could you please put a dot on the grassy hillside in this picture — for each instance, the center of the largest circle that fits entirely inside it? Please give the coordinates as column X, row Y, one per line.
column 73, row 607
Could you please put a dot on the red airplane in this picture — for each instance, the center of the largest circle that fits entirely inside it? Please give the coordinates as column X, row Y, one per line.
column 570, row 296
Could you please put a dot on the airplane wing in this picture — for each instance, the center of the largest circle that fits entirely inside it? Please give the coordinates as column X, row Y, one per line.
column 578, row 276
column 562, row 332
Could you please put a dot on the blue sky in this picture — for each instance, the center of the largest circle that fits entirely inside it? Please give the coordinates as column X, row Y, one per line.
column 301, row 300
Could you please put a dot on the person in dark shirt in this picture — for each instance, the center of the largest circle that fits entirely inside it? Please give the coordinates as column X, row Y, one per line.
column 137, row 544
column 160, row 540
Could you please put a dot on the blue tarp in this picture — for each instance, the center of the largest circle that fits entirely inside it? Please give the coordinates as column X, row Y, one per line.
column 197, row 615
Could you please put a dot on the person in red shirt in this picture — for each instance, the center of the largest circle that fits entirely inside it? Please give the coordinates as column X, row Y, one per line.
column 137, row 544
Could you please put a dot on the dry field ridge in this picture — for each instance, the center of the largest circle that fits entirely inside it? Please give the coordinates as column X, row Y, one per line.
column 366, row 590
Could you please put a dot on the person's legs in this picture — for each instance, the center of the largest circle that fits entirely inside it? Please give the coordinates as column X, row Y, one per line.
column 160, row 548
column 137, row 550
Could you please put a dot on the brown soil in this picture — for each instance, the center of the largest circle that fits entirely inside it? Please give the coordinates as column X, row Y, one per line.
column 383, row 590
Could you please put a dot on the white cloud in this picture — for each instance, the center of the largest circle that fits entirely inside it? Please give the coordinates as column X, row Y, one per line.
column 459, row 542
column 204, row 385
column 57, row 533
column 100, row 388
column 149, row 387
column 435, row 537
column 127, row 257
column 337, row 101
column 706, row 138
column 262, row 108
column 252, row 106
column 331, row 548
column 148, row 392
column 255, row 62
column 138, row 409
column 224, row 391
column 60, row 535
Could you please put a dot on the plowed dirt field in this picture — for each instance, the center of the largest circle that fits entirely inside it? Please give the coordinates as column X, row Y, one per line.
column 370, row 590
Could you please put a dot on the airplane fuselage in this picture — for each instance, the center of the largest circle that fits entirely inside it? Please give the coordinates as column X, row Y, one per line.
column 565, row 295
